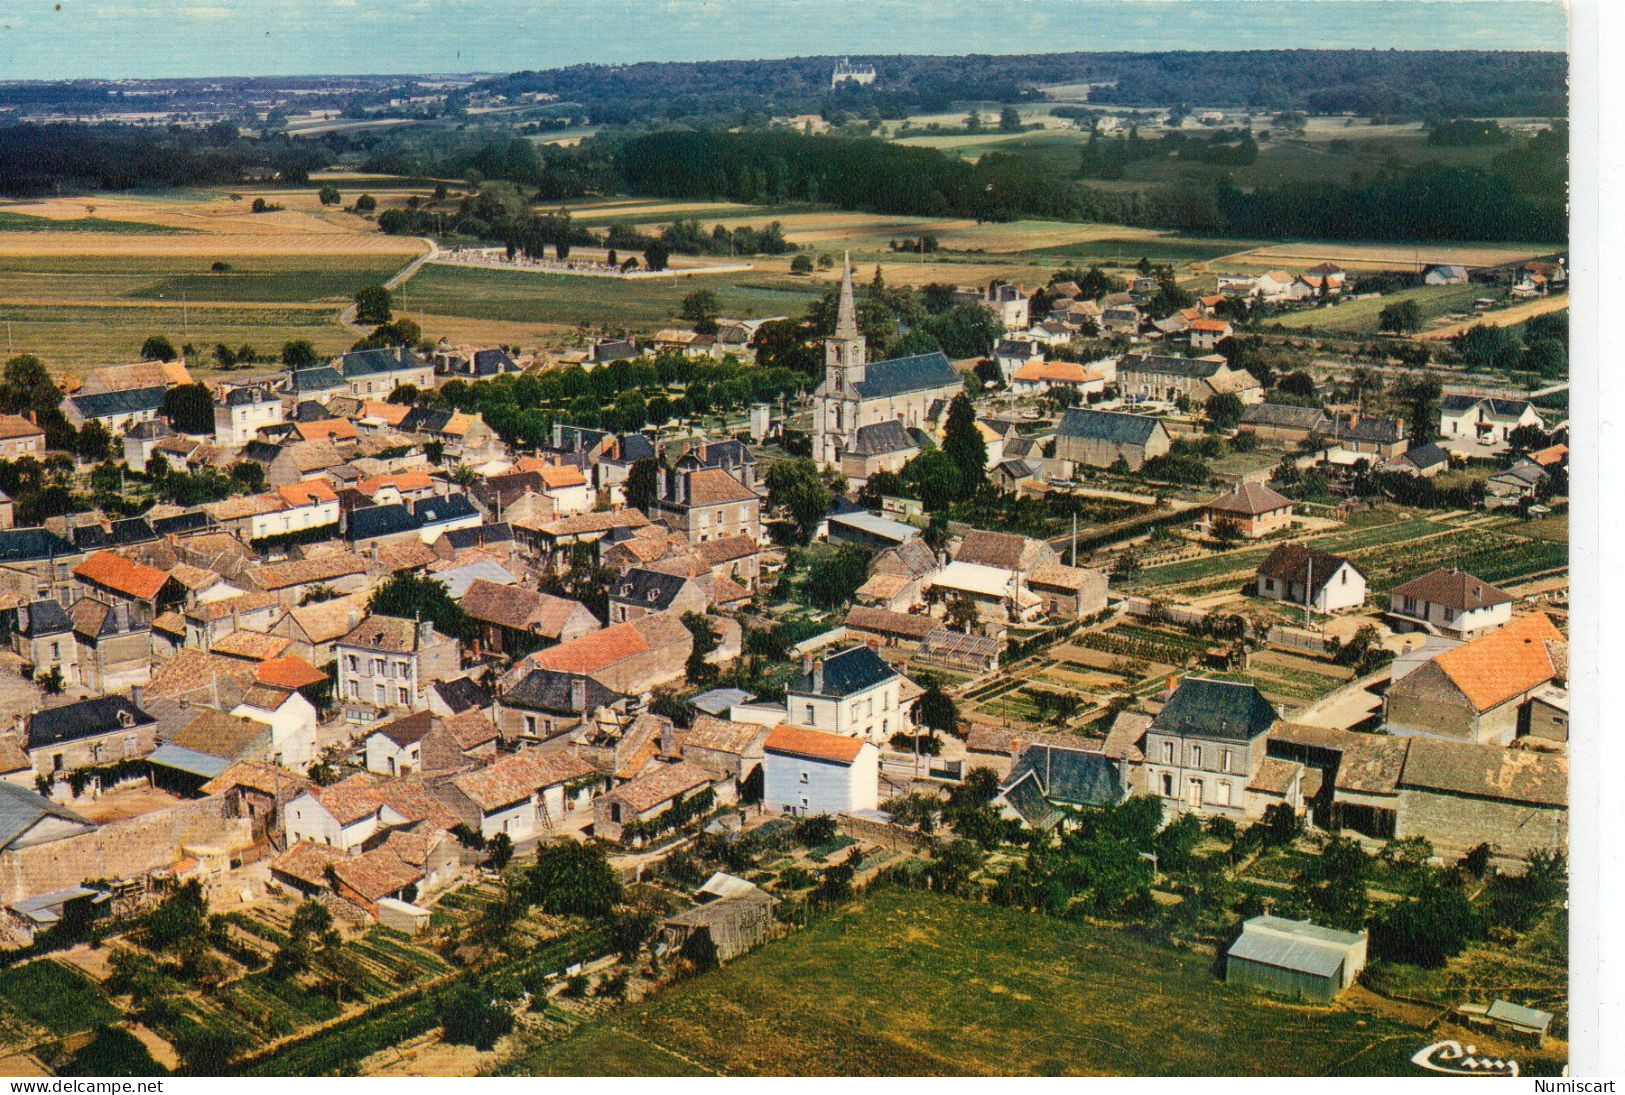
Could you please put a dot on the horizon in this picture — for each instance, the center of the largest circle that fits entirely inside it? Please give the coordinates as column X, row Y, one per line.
column 118, row 39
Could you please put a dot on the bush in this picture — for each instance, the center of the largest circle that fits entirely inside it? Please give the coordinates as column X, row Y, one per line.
column 471, row 1018
column 810, row 832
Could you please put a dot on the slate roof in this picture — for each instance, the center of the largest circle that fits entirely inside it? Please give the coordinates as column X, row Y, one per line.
column 902, row 375
column 1382, row 431
column 374, row 521
column 462, row 694
column 122, row 533
column 43, row 618
column 23, row 545
column 439, row 511
column 1113, row 426
column 1025, row 795
column 324, row 378
column 1283, row 416
column 380, row 360
column 181, row 522
column 84, row 719
column 880, row 438
column 853, row 670
column 649, row 589
column 1195, row 367
column 1216, row 709
column 1073, row 776
column 21, row 809
column 110, row 404
column 1425, row 456
column 549, row 690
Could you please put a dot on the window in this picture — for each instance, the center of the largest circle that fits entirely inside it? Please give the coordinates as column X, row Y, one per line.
column 1221, row 794
column 1224, row 761
column 1167, row 752
column 1167, row 786
column 1196, row 756
column 355, row 664
column 1193, row 794
column 378, row 667
column 530, row 725
column 803, row 777
column 405, row 696
column 379, row 694
column 809, row 719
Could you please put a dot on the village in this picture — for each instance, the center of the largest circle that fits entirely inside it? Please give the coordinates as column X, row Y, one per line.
column 1101, row 626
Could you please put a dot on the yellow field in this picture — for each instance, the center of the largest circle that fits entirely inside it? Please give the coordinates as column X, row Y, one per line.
column 1506, row 317
column 1384, row 256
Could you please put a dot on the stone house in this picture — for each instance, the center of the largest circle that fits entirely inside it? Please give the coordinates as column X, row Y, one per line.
column 524, row 794
column 627, row 658
column 1207, row 746
column 1195, row 379
column 1480, row 691
column 114, row 645
column 515, row 621
column 44, row 639
column 1282, row 423
column 1068, row 593
column 661, row 787
column 708, row 503
column 1100, row 439
column 1457, row 795
column 1302, row 576
column 86, row 734
column 852, row 693
column 1253, row 508
column 386, row 664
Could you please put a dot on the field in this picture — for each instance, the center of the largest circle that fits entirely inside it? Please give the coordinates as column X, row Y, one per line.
column 50, row 998
column 82, row 291
column 951, row 987
column 1359, row 317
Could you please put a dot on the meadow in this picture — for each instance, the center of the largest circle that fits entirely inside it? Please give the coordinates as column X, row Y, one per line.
column 951, row 987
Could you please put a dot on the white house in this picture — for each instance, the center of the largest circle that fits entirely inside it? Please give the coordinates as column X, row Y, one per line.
column 344, row 815
column 292, row 720
column 853, row 693
column 1011, row 354
column 1301, row 576
column 1485, row 419
column 1450, row 602
column 240, row 413
column 298, row 508
column 568, row 487
column 808, row 772
column 523, row 795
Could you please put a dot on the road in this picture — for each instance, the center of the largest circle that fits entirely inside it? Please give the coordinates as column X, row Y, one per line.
column 347, row 313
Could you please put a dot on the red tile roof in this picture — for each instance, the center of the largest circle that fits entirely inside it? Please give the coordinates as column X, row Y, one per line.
column 121, row 575
column 796, row 741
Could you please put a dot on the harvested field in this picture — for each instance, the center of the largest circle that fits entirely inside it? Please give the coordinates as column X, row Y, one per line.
column 1392, row 256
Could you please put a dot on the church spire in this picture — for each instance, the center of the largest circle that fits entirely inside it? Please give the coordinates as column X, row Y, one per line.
column 846, row 318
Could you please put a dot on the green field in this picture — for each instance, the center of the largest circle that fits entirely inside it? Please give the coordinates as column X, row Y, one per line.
column 1359, row 317
column 910, row 983
column 291, row 279
column 54, row 996
column 571, row 301
column 26, row 222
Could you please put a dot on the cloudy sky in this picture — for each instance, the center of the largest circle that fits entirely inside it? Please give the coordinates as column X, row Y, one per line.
column 58, row 39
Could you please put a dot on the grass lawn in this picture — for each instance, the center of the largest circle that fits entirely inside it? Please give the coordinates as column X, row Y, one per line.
column 569, row 301
column 55, row 996
column 909, row 983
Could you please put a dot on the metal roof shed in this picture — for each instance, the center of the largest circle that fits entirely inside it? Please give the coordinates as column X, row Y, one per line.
column 1295, row 958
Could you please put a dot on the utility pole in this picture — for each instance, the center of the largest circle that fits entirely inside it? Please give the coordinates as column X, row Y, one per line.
column 1308, row 592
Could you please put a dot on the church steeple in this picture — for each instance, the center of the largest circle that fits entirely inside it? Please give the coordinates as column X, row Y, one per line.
column 846, row 318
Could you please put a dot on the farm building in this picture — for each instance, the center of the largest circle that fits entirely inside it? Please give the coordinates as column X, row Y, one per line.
column 734, row 922
column 1480, row 691
column 1102, row 438
column 1295, row 958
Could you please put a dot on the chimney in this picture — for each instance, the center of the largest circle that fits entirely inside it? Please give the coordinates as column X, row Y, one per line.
column 578, row 694
column 668, row 740
column 425, row 632
column 135, row 694
column 818, row 676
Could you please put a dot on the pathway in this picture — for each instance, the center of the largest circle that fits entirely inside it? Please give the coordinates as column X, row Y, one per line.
column 347, row 313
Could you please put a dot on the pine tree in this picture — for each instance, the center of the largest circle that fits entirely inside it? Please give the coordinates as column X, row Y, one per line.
column 964, row 445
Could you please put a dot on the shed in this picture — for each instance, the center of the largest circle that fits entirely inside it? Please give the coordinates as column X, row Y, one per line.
column 402, row 916
column 1529, row 1023
column 1295, row 958
column 734, row 924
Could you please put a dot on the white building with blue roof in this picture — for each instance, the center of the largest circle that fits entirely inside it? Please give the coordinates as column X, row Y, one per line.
column 853, row 693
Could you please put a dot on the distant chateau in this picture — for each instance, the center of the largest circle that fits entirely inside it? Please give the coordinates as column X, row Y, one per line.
column 846, row 71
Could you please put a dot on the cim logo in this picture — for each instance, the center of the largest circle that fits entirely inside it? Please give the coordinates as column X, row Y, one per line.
column 1455, row 1059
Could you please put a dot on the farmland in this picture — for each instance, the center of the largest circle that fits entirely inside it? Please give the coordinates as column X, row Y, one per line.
column 1359, row 317
column 952, row 987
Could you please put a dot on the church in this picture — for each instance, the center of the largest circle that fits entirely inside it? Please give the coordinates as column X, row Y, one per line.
column 863, row 411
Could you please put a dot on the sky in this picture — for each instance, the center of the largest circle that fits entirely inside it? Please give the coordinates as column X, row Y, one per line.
column 113, row 39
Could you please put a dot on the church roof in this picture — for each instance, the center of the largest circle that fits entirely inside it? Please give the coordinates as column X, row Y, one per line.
column 901, row 375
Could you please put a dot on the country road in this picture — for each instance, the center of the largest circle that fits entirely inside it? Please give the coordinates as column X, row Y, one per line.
column 347, row 313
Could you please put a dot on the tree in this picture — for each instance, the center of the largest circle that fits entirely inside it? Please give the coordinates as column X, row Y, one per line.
column 701, row 673
column 963, row 444
column 94, row 442
column 936, row 710
column 416, row 597
column 1010, row 120
column 249, row 473
column 796, row 486
column 158, row 348
column 801, row 264
column 701, row 308
column 300, row 354
column 643, row 484
column 499, row 851
column 329, row 195
column 1224, row 410
column 1421, row 397
column 962, row 614
column 1297, row 383
column 189, row 408
column 26, row 386
column 366, row 203
column 571, row 879
column 471, row 1017
column 834, row 576
column 656, row 255
column 1400, row 317
column 372, row 305
column 1527, row 438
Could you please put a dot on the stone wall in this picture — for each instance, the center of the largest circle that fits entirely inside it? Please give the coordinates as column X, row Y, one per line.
column 119, row 849
column 1454, row 824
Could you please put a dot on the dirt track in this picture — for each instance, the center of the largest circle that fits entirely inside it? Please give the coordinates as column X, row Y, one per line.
column 1506, row 317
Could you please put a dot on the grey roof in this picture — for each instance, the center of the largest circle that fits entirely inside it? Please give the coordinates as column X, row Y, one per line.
column 1283, row 416
column 634, row 447
column 1025, row 795
column 1216, row 709
column 1527, row 474
column 549, row 690
column 44, row 617
column 1294, row 945
column 492, row 362
column 718, row 700
column 128, row 401
column 1198, row 368
column 880, row 438
column 876, row 527
column 324, row 378
column 1113, row 426
column 245, row 397
column 1076, row 777
column 121, row 533
column 373, row 521
column 380, row 360
column 1505, row 1011
column 462, row 694
column 191, row 521
column 729, row 453
column 650, row 589
column 901, row 375
column 1385, row 431
column 852, row 670
column 1425, row 456
column 21, row 809
column 85, row 719
column 190, row 761
column 21, row 545
column 499, row 532
column 443, row 509
column 1456, row 402
column 154, row 429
